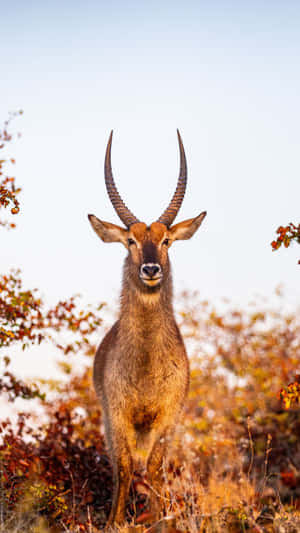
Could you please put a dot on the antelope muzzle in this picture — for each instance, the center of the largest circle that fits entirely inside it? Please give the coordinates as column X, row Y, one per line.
column 151, row 274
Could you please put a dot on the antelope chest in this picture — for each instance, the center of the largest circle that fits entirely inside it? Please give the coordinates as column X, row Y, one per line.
column 148, row 382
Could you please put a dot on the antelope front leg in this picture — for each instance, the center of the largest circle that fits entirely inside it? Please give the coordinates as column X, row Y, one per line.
column 155, row 471
column 122, row 474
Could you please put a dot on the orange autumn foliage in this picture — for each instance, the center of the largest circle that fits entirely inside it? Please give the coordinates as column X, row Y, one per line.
column 8, row 189
column 286, row 235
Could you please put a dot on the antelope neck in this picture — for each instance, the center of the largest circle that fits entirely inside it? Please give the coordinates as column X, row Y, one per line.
column 144, row 312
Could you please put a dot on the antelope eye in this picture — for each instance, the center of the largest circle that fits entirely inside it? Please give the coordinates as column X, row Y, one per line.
column 166, row 242
column 130, row 242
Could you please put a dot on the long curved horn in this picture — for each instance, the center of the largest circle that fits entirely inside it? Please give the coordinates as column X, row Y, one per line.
column 123, row 212
column 170, row 213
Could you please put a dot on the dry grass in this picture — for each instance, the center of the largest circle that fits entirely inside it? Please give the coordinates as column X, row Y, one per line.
column 222, row 505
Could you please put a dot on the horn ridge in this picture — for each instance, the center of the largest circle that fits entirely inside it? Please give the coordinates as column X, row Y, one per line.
column 122, row 211
column 170, row 213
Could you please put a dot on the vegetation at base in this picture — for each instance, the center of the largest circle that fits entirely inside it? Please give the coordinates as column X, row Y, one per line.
column 234, row 463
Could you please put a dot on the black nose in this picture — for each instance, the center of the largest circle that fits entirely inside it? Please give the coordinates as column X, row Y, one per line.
column 150, row 269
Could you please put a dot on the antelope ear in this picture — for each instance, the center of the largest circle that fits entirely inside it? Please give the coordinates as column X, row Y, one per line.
column 108, row 232
column 186, row 229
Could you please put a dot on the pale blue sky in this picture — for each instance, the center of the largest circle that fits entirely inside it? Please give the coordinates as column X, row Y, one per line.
column 225, row 73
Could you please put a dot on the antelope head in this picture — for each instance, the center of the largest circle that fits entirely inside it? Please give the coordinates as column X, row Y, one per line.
column 147, row 260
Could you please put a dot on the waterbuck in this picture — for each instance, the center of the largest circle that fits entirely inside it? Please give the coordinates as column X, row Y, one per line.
column 141, row 371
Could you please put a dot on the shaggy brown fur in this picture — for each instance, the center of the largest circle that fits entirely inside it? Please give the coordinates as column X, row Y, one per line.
column 141, row 369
